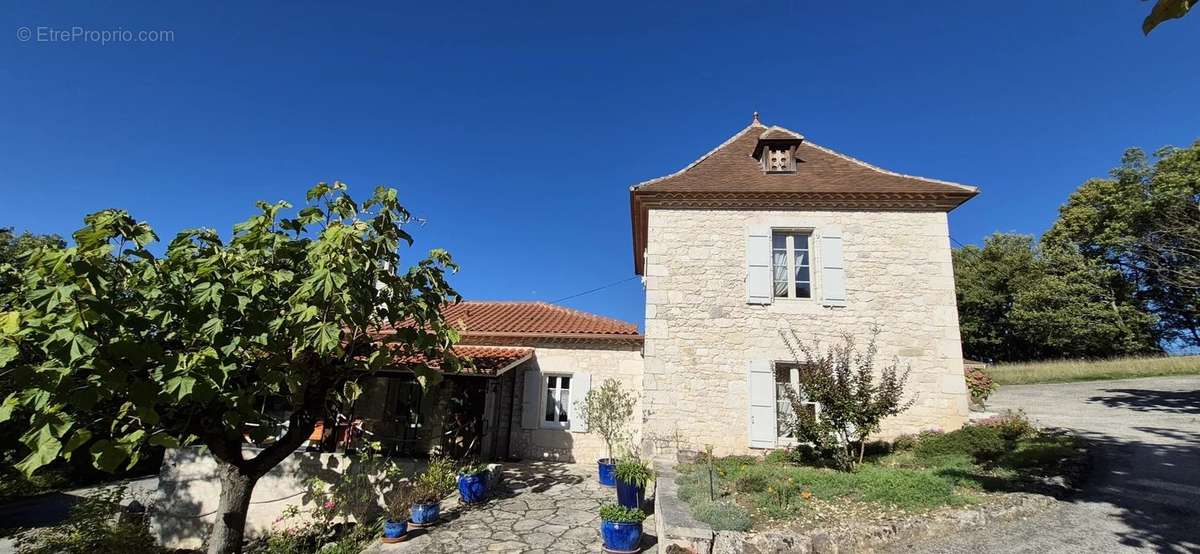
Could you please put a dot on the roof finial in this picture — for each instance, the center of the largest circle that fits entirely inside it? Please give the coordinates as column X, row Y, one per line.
column 756, row 121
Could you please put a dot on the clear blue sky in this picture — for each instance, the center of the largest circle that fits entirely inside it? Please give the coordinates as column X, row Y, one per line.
column 515, row 129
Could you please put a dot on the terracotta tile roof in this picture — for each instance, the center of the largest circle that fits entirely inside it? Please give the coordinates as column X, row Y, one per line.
column 487, row 360
column 731, row 167
column 730, row 177
column 533, row 319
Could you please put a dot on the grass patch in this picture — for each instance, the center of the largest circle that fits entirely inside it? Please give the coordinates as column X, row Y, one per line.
column 1063, row 371
column 933, row 471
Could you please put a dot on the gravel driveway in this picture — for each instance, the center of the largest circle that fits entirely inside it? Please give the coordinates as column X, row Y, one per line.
column 1144, row 491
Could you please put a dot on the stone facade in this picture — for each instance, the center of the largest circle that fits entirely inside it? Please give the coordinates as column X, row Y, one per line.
column 700, row 332
column 601, row 360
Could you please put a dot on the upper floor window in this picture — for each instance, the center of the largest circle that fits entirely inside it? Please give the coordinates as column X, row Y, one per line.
column 791, row 264
column 558, row 401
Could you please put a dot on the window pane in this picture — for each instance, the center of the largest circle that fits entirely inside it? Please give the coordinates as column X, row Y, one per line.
column 801, row 258
column 783, row 374
column 550, row 411
column 780, row 272
column 802, row 274
column 779, row 240
column 564, row 382
column 564, row 406
column 803, row 290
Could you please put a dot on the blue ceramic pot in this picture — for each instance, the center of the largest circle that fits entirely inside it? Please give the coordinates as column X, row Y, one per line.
column 608, row 471
column 426, row 514
column 621, row 537
column 394, row 529
column 473, row 488
column 629, row 494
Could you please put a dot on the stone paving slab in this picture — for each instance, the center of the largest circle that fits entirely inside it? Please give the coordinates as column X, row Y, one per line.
column 538, row 507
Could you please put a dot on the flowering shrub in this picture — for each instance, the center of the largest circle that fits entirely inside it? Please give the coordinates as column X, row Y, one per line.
column 1011, row 425
column 979, row 384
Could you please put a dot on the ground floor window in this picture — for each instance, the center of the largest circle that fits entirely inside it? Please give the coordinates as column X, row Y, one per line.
column 558, row 401
column 787, row 377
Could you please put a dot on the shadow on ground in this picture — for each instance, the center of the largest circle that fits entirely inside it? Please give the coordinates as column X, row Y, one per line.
column 1149, row 400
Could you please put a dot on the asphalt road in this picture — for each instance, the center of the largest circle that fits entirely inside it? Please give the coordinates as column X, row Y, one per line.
column 1144, row 491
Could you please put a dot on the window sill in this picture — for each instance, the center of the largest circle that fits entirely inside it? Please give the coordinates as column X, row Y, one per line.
column 554, row 426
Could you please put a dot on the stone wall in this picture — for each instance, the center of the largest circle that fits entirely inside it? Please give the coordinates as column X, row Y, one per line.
column 700, row 332
column 185, row 504
column 600, row 359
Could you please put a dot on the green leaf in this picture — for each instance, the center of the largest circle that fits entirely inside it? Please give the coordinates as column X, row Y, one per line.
column 6, row 409
column 8, row 353
column 164, row 440
column 212, row 328
column 10, row 322
column 1164, row 10
column 107, row 455
column 78, row 438
column 46, row 452
column 180, row 386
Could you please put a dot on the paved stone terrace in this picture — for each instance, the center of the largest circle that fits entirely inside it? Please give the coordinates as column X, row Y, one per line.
column 538, row 507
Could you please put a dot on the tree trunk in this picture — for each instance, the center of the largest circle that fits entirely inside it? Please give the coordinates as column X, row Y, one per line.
column 230, row 526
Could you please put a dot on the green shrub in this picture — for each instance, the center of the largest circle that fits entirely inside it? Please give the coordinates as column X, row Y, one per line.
column 982, row 443
column 722, row 516
column 782, row 457
column 473, row 468
column 904, row 443
column 752, row 482
column 92, row 527
column 1011, row 425
column 620, row 514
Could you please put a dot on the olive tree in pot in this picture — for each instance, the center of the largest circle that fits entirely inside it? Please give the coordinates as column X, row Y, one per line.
column 606, row 410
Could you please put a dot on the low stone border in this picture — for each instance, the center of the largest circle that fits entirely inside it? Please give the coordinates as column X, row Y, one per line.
column 680, row 533
column 865, row 539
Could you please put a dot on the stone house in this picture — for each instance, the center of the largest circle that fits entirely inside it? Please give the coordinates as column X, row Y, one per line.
column 766, row 233
column 769, row 232
column 532, row 362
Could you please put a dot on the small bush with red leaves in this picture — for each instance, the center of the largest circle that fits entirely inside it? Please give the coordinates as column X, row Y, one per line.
column 979, row 384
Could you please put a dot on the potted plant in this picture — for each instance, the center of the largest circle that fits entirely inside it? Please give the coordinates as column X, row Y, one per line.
column 621, row 528
column 606, row 410
column 434, row 484
column 397, row 503
column 632, row 476
column 473, row 483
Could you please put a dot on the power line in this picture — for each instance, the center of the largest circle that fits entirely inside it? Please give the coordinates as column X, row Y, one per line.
column 597, row 289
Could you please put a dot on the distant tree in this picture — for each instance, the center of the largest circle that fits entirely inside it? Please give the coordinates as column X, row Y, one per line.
column 1080, row 308
column 190, row 344
column 987, row 281
column 1141, row 222
column 1019, row 301
column 1164, row 10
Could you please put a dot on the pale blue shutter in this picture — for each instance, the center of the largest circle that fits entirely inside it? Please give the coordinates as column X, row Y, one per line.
column 581, row 383
column 833, row 271
column 761, row 379
column 531, row 400
column 758, row 265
